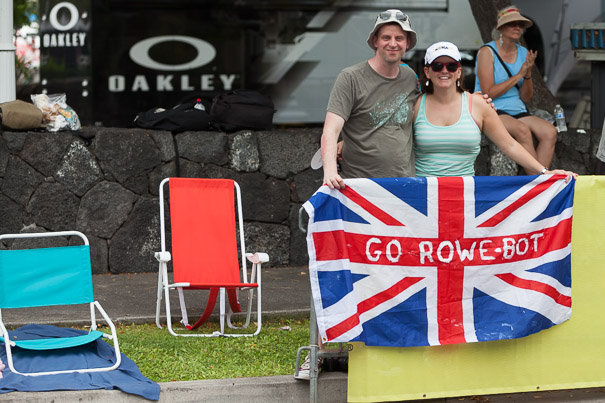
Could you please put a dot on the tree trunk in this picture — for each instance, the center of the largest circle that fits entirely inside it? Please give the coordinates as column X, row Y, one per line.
column 485, row 13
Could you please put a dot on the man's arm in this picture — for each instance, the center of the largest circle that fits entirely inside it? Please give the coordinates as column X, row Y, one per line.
column 329, row 138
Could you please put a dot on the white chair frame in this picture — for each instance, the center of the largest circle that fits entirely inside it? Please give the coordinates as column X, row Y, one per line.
column 93, row 323
column 225, row 313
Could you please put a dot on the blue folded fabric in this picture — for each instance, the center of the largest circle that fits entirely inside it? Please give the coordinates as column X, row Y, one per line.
column 127, row 378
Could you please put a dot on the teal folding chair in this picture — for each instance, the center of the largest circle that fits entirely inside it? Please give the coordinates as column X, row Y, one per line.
column 55, row 276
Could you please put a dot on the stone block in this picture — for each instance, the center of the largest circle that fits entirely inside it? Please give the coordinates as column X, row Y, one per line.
column 54, row 207
column 138, row 184
column 482, row 162
column 273, row 239
column 126, row 153
column 577, row 140
column 104, row 208
column 98, row 254
column 500, row 164
column 4, row 154
column 286, row 152
column 79, row 170
column 44, row 151
column 160, row 173
column 132, row 247
column 11, row 215
column 205, row 147
column 217, row 172
column 14, row 140
column 42, row 242
column 306, row 183
column 264, row 199
column 244, row 156
column 299, row 255
column 20, row 180
column 165, row 142
column 189, row 169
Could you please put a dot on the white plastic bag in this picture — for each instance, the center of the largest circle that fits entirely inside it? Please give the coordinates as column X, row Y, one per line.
column 56, row 114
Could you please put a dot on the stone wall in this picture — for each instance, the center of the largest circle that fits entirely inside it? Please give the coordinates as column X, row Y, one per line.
column 104, row 182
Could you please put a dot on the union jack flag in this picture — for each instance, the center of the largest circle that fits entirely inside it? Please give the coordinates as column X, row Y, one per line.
column 432, row 261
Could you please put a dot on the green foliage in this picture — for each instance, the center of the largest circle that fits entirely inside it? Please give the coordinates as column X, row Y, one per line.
column 23, row 73
column 163, row 358
column 22, row 9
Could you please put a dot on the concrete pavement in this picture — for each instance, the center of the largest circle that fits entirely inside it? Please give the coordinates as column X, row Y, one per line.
column 130, row 298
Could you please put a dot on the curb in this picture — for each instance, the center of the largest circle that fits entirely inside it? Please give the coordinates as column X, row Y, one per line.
column 332, row 388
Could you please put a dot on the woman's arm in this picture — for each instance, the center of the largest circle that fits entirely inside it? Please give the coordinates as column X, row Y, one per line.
column 494, row 129
column 527, row 88
column 485, row 73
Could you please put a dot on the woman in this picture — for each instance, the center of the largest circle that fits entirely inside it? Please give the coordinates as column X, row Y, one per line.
column 510, row 91
column 448, row 122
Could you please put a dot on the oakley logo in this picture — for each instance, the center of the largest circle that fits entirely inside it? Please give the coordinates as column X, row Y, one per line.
column 139, row 53
column 73, row 12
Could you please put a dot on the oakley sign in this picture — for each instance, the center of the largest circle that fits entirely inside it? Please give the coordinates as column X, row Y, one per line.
column 73, row 20
column 139, row 53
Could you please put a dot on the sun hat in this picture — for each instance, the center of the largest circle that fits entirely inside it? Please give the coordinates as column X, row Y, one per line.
column 441, row 49
column 390, row 16
column 511, row 14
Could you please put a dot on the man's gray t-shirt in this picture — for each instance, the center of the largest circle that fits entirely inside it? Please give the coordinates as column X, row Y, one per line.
column 378, row 114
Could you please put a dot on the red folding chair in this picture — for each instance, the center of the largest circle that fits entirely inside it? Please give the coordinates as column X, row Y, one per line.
column 204, row 252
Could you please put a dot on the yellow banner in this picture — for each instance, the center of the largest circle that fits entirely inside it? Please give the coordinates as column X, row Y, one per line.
column 569, row 355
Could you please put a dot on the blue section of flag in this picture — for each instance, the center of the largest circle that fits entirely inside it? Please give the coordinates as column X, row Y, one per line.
column 560, row 202
column 559, row 269
column 332, row 209
column 411, row 190
column 403, row 325
column 495, row 320
column 334, row 286
column 491, row 190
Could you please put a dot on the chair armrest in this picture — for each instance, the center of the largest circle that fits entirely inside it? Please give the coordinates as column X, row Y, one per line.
column 257, row 257
column 163, row 257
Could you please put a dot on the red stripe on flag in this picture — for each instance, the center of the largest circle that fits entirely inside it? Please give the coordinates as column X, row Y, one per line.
column 450, row 278
column 536, row 286
column 505, row 213
column 369, row 304
column 370, row 207
column 330, row 245
column 405, row 251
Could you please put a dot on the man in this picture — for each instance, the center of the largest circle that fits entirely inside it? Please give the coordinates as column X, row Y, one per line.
column 372, row 105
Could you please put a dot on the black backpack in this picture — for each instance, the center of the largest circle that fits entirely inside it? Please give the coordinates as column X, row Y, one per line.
column 182, row 117
column 241, row 110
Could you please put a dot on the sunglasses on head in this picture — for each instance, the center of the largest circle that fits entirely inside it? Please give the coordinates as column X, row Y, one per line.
column 399, row 16
column 451, row 66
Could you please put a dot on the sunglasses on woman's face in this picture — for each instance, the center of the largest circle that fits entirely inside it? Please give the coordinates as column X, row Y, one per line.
column 515, row 24
column 451, row 66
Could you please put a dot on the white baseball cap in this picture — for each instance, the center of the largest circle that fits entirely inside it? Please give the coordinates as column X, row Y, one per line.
column 389, row 16
column 441, row 49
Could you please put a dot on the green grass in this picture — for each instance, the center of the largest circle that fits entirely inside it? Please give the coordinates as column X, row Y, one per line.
column 162, row 357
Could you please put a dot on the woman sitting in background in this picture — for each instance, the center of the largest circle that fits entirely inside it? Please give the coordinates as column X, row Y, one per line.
column 510, row 91
column 448, row 122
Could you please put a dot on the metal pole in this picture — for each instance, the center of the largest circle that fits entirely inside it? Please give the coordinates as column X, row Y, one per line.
column 313, row 367
column 7, row 52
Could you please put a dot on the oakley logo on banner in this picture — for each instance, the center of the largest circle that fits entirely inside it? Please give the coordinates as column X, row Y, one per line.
column 139, row 53
column 73, row 12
